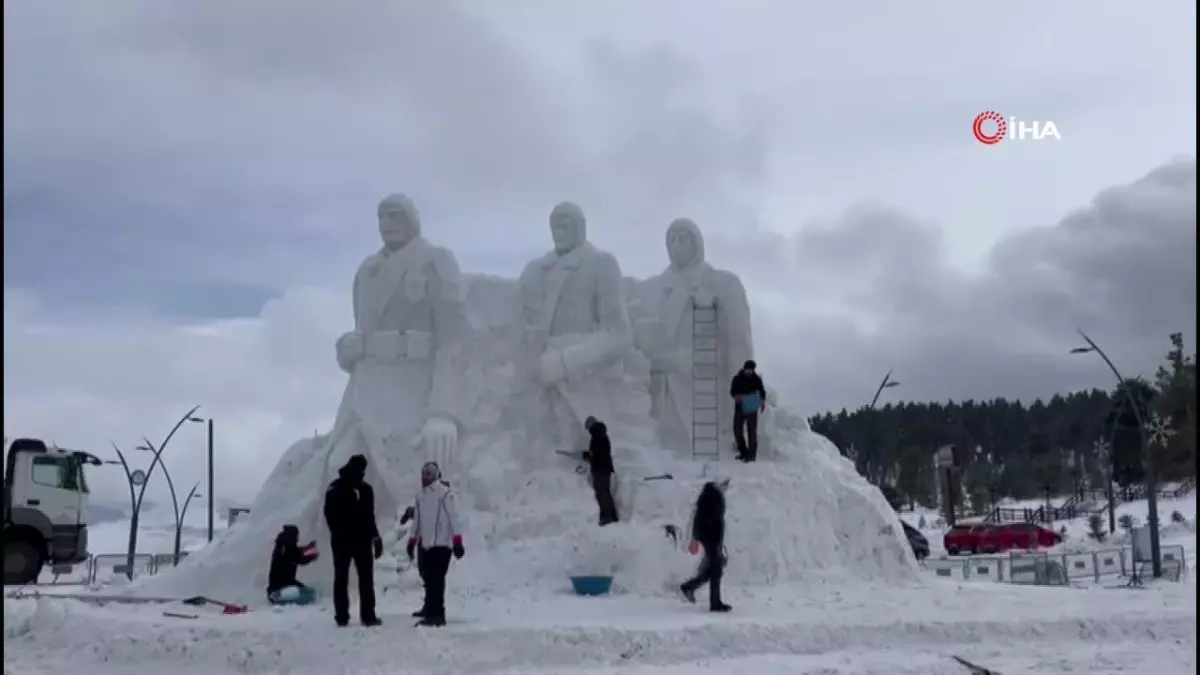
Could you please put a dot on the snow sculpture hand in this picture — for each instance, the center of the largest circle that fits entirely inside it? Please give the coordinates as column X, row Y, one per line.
column 440, row 438
column 349, row 350
column 552, row 369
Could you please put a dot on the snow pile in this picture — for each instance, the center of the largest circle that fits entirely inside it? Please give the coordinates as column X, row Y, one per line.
column 801, row 513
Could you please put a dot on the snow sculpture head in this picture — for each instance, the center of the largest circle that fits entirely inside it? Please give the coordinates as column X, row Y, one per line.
column 685, row 244
column 568, row 227
column 399, row 222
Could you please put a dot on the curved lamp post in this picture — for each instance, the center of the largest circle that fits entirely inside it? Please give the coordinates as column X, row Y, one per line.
column 183, row 518
column 887, row 383
column 211, row 490
column 137, row 503
column 1147, row 461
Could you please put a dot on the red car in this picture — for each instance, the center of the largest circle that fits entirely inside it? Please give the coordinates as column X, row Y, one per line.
column 970, row 538
column 1018, row 536
column 964, row 538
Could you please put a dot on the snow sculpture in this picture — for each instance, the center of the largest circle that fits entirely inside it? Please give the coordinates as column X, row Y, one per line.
column 404, row 355
column 559, row 343
column 664, row 313
column 576, row 332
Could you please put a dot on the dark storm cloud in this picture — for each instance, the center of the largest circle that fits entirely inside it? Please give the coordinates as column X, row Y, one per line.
column 873, row 290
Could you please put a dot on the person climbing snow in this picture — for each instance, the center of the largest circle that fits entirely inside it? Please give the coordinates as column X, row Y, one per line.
column 435, row 528
column 599, row 459
column 708, row 533
column 750, row 398
column 286, row 558
column 354, row 538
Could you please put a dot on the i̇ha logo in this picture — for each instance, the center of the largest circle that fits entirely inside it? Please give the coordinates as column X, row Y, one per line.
column 990, row 128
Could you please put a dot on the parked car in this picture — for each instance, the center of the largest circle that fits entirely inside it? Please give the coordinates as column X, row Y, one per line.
column 1018, row 536
column 918, row 542
column 964, row 538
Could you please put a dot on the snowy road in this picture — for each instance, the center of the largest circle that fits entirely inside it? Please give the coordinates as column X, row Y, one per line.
column 788, row 630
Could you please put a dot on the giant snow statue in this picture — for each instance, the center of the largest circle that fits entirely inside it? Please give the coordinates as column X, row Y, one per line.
column 576, row 330
column 698, row 335
column 404, row 357
column 520, row 363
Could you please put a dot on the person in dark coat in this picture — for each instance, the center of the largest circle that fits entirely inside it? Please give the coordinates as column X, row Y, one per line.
column 708, row 533
column 286, row 558
column 599, row 459
column 354, row 538
column 750, row 398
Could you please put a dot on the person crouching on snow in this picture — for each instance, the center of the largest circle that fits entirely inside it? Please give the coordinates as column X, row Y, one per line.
column 286, row 557
column 708, row 532
column 436, row 528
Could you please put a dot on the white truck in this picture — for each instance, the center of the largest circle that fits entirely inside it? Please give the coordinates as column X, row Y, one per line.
column 45, row 508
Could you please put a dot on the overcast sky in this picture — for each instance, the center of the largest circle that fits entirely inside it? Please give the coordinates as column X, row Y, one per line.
column 188, row 187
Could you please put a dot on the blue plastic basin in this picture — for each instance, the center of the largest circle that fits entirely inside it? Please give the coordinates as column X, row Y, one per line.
column 591, row 585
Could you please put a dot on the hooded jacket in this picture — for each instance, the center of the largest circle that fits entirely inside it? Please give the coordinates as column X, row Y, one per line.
column 350, row 505
column 708, row 522
column 286, row 557
column 599, row 453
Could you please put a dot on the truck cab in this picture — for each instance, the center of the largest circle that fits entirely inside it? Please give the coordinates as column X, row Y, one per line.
column 45, row 508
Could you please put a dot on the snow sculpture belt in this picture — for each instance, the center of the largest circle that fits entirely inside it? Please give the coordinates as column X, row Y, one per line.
column 390, row 346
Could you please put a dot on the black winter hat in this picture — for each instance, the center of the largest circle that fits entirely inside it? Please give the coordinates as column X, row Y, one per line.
column 749, row 365
column 355, row 466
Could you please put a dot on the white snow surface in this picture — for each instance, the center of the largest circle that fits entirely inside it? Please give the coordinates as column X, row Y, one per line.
column 801, row 513
column 831, row 629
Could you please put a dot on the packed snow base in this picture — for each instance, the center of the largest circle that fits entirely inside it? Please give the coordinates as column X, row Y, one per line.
column 834, row 630
column 801, row 513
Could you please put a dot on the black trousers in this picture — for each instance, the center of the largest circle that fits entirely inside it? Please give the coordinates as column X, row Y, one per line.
column 364, row 568
column 602, row 486
column 432, row 564
column 711, row 568
column 747, row 424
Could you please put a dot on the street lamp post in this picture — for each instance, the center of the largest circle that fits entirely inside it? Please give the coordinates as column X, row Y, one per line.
column 1104, row 452
column 183, row 518
column 1147, row 460
column 137, row 503
column 887, row 383
column 211, row 493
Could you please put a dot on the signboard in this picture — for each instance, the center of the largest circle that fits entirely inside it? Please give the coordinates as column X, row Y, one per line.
column 138, row 477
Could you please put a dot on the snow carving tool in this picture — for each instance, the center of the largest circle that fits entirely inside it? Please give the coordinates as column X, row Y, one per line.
column 577, row 456
column 176, row 615
column 665, row 476
column 226, row 608
column 973, row 668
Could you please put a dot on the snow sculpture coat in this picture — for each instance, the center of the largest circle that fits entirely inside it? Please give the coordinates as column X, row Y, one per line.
column 665, row 313
column 575, row 313
column 410, row 328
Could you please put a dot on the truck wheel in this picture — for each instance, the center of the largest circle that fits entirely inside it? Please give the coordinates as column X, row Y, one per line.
column 22, row 563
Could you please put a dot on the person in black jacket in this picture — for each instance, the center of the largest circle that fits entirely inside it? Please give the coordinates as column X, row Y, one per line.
column 354, row 537
column 747, row 391
column 708, row 531
column 599, row 458
column 286, row 558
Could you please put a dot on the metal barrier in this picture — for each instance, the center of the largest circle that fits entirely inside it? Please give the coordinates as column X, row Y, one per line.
column 1056, row 569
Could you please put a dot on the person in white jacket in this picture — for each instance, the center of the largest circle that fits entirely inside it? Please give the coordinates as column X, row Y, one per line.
column 436, row 529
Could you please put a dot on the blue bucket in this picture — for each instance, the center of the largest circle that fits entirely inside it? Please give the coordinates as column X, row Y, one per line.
column 591, row 585
column 750, row 403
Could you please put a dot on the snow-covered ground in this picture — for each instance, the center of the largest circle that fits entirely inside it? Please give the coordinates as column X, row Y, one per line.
column 811, row 628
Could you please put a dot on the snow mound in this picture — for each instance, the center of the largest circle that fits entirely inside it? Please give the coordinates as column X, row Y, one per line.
column 801, row 513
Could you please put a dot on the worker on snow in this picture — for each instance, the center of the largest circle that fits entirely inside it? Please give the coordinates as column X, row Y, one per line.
column 599, row 459
column 354, row 538
column 708, row 533
column 286, row 557
column 436, row 528
column 750, row 398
